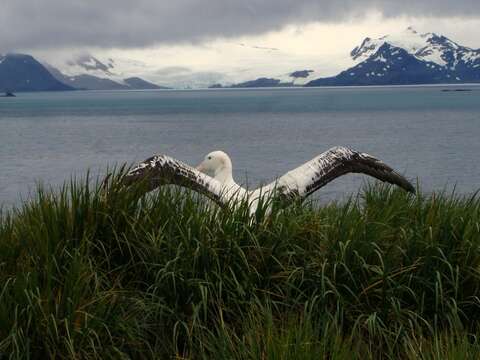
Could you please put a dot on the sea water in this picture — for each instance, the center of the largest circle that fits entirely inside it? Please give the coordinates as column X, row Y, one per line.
column 426, row 133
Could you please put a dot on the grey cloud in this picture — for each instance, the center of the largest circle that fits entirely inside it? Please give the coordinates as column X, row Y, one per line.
column 27, row 24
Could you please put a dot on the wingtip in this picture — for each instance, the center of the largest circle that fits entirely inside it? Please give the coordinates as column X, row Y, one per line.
column 406, row 185
column 397, row 179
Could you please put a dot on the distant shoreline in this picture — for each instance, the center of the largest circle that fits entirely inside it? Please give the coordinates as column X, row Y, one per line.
column 457, row 86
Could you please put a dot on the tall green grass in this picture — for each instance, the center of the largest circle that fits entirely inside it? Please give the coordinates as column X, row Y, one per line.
column 92, row 271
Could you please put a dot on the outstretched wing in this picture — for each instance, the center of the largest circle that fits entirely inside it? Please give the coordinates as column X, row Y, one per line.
column 163, row 170
column 311, row 176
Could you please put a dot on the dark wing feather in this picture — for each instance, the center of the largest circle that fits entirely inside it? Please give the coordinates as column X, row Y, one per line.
column 163, row 170
column 311, row 176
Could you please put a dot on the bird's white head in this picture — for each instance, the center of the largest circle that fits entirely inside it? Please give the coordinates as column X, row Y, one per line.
column 218, row 165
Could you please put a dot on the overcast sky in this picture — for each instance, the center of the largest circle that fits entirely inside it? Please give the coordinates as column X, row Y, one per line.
column 127, row 23
column 203, row 35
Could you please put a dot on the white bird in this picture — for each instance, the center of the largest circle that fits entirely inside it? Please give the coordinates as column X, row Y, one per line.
column 213, row 176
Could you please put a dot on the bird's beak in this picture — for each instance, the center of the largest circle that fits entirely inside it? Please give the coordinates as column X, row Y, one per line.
column 200, row 167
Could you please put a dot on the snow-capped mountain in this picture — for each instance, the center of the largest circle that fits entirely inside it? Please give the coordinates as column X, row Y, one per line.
column 87, row 64
column 409, row 58
column 428, row 47
column 389, row 65
column 89, row 72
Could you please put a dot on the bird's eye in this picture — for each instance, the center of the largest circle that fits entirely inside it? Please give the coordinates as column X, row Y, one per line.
column 209, row 158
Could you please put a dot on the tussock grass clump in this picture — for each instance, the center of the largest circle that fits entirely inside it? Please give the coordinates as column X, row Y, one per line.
column 92, row 271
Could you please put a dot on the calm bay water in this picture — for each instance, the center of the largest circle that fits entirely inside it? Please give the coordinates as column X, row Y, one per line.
column 423, row 132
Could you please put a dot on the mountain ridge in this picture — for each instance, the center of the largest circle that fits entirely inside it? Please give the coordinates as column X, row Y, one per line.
column 22, row 72
column 408, row 58
column 403, row 58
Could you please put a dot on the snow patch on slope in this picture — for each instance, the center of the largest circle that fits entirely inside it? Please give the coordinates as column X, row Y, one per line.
column 295, row 80
column 102, row 67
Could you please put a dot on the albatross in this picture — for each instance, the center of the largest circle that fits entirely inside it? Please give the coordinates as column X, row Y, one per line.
column 213, row 176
